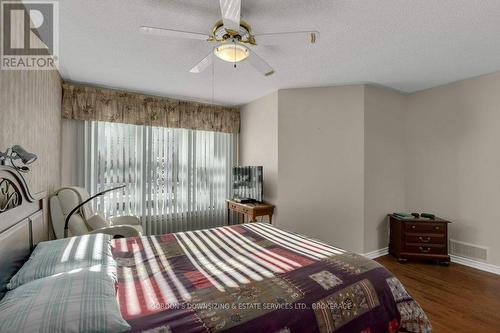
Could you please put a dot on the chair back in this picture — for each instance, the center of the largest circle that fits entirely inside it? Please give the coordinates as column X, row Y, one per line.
column 62, row 203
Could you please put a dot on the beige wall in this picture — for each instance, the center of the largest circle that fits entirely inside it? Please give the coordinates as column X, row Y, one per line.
column 453, row 158
column 320, row 163
column 384, row 162
column 341, row 163
column 30, row 115
column 258, row 141
column 349, row 155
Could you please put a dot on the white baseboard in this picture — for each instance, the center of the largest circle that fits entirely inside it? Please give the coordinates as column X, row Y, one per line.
column 377, row 253
column 456, row 259
column 475, row 264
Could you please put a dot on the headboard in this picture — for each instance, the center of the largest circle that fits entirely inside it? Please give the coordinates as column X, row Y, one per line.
column 22, row 223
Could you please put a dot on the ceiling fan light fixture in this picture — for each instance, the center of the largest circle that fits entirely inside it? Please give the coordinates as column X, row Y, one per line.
column 232, row 52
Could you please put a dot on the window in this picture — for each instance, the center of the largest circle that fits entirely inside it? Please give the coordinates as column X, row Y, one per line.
column 176, row 179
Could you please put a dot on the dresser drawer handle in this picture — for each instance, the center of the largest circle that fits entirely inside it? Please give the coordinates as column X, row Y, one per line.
column 424, row 249
column 424, row 239
column 437, row 228
column 413, row 227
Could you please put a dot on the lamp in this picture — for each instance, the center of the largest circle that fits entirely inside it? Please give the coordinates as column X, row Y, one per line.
column 17, row 152
column 232, row 52
column 26, row 157
column 66, row 222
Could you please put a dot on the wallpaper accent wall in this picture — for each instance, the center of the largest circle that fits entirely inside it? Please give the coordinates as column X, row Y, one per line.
column 30, row 115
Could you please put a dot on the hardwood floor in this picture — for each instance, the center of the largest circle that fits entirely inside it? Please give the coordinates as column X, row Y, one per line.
column 456, row 298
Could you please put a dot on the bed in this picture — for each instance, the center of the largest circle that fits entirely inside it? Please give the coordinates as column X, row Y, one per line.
column 256, row 278
column 243, row 278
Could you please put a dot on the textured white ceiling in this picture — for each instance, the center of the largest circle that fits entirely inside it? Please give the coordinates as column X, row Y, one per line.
column 408, row 45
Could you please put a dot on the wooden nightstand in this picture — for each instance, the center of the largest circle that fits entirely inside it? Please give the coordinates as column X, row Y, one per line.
column 251, row 210
column 419, row 239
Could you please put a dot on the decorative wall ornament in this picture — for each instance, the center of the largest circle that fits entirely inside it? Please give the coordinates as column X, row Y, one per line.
column 90, row 103
column 10, row 197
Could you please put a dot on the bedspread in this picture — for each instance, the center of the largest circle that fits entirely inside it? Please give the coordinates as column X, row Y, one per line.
column 257, row 278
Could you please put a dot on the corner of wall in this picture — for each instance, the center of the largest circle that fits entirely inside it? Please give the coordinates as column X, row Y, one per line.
column 384, row 166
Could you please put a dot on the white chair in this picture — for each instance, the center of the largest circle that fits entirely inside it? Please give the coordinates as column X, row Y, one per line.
column 86, row 221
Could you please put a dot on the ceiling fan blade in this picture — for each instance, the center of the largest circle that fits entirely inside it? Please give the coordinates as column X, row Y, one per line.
column 173, row 33
column 203, row 64
column 231, row 13
column 296, row 36
column 259, row 64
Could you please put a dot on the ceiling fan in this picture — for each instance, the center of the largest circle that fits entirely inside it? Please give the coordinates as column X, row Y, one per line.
column 232, row 38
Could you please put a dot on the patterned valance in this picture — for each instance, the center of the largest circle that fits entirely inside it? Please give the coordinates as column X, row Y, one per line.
column 90, row 103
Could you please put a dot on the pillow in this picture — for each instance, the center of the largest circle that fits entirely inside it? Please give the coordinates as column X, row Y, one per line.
column 82, row 300
column 63, row 255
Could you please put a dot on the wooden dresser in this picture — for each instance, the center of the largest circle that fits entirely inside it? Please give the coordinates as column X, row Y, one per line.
column 419, row 239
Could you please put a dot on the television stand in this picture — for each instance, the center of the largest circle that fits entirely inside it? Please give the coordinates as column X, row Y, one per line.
column 250, row 210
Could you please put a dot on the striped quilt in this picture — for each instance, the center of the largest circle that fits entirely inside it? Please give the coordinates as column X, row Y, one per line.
column 256, row 278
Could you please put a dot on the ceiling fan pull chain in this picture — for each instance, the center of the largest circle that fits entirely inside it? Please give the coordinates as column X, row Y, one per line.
column 213, row 82
column 234, row 53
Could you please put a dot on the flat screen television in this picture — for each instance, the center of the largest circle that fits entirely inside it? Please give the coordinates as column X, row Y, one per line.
column 248, row 183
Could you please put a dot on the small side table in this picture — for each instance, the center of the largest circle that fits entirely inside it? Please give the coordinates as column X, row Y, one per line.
column 420, row 238
column 251, row 210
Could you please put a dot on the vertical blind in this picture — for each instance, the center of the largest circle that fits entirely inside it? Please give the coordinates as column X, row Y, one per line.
column 176, row 179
